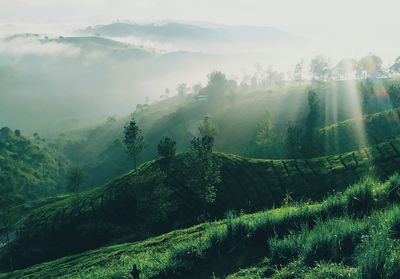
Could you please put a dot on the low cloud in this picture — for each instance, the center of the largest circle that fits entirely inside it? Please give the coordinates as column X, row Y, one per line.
column 21, row 46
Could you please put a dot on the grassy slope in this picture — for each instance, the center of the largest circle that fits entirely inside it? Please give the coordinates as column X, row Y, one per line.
column 30, row 168
column 343, row 137
column 247, row 184
column 354, row 234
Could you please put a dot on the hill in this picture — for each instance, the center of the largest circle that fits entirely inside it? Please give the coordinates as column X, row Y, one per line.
column 200, row 33
column 354, row 234
column 378, row 127
column 150, row 202
column 31, row 168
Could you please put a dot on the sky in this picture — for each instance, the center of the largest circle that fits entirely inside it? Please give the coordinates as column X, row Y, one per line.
column 305, row 17
column 346, row 26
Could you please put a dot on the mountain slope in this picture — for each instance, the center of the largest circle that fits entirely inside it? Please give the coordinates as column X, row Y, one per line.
column 148, row 202
column 378, row 127
column 29, row 167
column 354, row 234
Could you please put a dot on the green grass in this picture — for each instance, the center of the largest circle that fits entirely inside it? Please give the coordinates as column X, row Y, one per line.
column 129, row 208
column 331, row 239
column 379, row 127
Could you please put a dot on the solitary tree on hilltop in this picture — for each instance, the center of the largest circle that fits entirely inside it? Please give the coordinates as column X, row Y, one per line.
column 133, row 140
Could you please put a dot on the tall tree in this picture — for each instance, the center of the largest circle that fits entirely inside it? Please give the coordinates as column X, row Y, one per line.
column 369, row 66
column 263, row 135
column 298, row 71
column 345, row 68
column 293, row 140
column 320, row 68
column 208, row 128
column 202, row 171
column 310, row 142
column 133, row 140
column 75, row 177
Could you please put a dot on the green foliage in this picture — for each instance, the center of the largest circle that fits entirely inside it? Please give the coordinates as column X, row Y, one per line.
column 75, row 177
column 167, row 149
column 133, row 140
column 207, row 128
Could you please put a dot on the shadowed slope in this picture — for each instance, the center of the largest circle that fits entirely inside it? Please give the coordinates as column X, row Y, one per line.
column 145, row 203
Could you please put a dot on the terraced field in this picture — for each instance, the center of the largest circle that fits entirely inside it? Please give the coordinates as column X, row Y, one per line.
column 128, row 209
column 354, row 234
column 378, row 127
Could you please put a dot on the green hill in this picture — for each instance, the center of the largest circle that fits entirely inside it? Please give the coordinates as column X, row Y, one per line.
column 148, row 202
column 378, row 127
column 354, row 234
column 28, row 166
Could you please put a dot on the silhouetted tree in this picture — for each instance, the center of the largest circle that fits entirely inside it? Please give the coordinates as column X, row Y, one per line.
column 298, row 71
column 133, row 140
column 345, row 68
column 320, row 68
column 369, row 66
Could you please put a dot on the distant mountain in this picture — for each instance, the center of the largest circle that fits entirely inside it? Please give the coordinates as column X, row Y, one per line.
column 190, row 32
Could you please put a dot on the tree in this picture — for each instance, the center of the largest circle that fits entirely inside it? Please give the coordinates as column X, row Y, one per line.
column 298, row 71
column 17, row 133
column 320, row 68
column 394, row 95
column 395, row 68
column 369, row 66
column 293, row 140
column 75, row 177
column 133, row 140
column 202, row 171
column 208, row 128
column 345, row 68
column 310, row 142
column 167, row 149
column 182, row 89
column 263, row 135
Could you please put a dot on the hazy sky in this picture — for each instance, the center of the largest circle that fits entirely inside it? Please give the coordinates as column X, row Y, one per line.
column 338, row 27
column 305, row 17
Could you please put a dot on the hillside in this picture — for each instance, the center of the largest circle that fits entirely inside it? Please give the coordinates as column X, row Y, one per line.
column 150, row 201
column 196, row 33
column 28, row 166
column 354, row 234
column 378, row 127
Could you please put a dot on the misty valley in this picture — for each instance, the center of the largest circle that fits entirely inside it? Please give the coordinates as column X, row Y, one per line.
column 201, row 148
